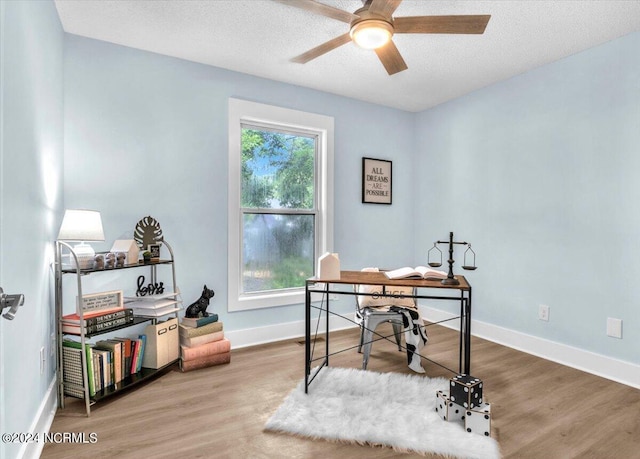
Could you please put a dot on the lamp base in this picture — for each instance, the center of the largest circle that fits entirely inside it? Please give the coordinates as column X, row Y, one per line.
column 85, row 255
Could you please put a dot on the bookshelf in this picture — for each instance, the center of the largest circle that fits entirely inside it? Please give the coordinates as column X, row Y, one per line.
column 76, row 383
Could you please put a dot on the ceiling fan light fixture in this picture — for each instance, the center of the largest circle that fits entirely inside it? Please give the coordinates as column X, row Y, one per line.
column 371, row 33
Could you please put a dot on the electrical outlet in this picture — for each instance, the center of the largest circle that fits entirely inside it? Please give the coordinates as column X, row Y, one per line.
column 543, row 312
column 614, row 327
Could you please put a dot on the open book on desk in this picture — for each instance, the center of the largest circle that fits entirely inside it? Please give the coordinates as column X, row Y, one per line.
column 419, row 272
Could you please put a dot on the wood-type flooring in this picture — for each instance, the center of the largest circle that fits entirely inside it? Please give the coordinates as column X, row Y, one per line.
column 540, row 409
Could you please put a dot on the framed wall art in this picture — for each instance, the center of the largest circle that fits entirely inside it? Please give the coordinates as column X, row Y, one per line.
column 376, row 181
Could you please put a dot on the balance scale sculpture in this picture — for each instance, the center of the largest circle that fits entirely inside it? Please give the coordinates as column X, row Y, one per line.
column 469, row 253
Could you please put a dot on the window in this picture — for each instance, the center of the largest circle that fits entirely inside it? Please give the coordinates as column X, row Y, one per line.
column 280, row 202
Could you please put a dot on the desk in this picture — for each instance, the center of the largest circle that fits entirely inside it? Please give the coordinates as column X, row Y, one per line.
column 324, row 286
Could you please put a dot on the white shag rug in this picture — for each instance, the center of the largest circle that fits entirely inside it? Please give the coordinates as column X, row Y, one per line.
column 366, row 407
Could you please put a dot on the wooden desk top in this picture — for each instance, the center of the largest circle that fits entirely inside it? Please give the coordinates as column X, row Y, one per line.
column 379, row 278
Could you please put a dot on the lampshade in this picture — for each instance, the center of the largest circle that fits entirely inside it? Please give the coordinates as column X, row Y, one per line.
column 371, row 33
column 81, row 225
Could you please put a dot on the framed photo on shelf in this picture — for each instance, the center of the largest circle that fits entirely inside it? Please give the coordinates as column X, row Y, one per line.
column 155, row 251
column 376, row 181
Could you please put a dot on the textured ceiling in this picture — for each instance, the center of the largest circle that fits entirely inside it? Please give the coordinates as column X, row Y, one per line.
column 259, row 37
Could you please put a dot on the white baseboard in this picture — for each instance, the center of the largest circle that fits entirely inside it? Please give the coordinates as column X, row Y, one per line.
column 616, row 370
column 42, row 422
column 280, row 332
column 590, row 362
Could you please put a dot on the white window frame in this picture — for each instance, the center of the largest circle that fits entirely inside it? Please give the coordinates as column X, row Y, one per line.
column 247, row 112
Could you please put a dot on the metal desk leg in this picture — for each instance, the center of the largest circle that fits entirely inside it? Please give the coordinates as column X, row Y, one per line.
column 461, row 333
column 467, row 334
column 464, row 356
column 326, row 336
column 307, row 340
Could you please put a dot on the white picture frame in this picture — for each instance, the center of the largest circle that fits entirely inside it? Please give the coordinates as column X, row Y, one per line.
column 96, row 302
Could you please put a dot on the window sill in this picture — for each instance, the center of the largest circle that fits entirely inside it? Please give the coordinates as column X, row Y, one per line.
column 267, row 300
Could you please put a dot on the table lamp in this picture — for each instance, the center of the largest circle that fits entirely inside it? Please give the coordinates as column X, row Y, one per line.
column 82, row 226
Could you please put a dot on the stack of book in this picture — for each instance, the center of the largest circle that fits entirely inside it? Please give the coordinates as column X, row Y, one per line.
column 97, row 322
column 202, row 343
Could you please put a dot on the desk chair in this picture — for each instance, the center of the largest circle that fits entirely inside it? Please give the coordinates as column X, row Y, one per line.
column 372, row 311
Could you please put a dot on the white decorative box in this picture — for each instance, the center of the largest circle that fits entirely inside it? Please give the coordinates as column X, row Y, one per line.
column 446, row 409
column 329, row 266
column 129, row 247
column 162, row 346
column 478, row 420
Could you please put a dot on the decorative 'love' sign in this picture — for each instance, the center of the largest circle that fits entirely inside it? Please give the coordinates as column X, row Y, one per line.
column 150, row 289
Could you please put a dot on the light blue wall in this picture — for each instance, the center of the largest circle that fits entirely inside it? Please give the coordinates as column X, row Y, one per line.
column 31, row 158
column 131, row 114
column 540, row 174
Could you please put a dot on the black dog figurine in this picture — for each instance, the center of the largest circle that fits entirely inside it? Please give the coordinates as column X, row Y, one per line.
column 199, row 308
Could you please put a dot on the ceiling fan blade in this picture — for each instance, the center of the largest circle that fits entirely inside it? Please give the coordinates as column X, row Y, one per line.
column 441, row 24
column 322, row 49
column 384, row 8
column 391, row 58
column 321, row 8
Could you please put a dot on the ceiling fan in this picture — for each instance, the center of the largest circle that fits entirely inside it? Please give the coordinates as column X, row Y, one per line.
column 373, row 25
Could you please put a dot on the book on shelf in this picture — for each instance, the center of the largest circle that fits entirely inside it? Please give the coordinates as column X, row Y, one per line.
column 115, row 347
column 105, row 366
column 191, row 332
column 140, row 351
column 75, row 329
column 137, row 355
column 97, row 379
column 419, row 272
column 121, row 359
column 103, row 370
column 205, row 361
column 93, row 318
column 196, row 322
column 126, row 356
column 203, row 339
column 214, row 347
column 134, row 350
